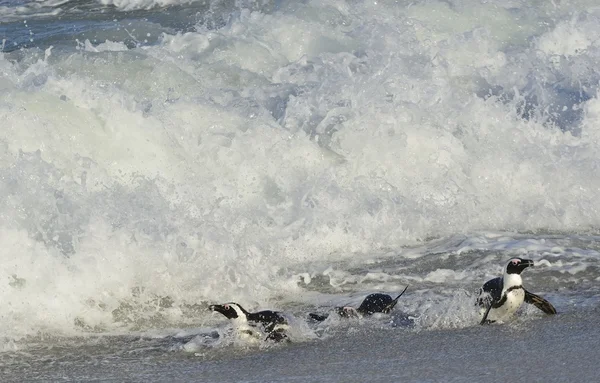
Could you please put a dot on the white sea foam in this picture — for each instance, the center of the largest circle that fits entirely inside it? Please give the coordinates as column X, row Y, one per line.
column 108, row 45
column 129, row 5
column 285, row 151
column 30, row 10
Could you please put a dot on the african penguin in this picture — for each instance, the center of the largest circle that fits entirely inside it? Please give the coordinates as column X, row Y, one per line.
column 272, row 323
column 500, row 297
column 373, row 303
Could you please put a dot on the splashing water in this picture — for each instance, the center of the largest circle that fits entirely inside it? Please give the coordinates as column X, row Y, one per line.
column 289, row 154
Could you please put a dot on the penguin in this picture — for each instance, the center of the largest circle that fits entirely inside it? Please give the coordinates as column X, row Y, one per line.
column 272, row 323
column 373, row 303
column 500, row 297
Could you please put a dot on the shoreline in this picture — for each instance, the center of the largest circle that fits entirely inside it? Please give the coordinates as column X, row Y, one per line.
column 559, row 348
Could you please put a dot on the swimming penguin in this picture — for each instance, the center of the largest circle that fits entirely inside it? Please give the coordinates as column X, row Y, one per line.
column 270, row 322
column 502, row 296
column 373, row 303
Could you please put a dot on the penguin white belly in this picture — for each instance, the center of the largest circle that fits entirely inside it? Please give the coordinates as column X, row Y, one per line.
column 514, row 299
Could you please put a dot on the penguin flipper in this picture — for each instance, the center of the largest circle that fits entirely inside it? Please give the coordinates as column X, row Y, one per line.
column 539, row 302
column 389, row 307
column 278, row 335
column 494, row 304
column 484, row 320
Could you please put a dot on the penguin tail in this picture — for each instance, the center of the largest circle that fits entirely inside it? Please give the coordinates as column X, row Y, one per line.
column 278, row 335
column 389, row 307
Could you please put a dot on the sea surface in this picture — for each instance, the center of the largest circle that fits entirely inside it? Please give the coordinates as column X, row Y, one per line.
column 159, row 156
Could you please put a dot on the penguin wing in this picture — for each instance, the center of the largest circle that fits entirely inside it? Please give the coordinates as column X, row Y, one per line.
column 494, row 305
column 539, row 302
column 389, row 307
column 484, row 320
column 278, row 335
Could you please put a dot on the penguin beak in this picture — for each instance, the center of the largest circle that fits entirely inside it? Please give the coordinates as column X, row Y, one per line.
column 527, row 263
column 217, row 308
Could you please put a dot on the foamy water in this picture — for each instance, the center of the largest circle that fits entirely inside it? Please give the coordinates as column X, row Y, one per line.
column 293, row 156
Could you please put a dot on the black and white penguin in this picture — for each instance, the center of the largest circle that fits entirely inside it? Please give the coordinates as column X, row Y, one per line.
column 500, row 297
column 271, row 323
column 373, row 303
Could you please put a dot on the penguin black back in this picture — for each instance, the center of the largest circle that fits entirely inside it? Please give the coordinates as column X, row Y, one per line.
column 373, row 303
column 378, row 303
column 493, row 288
column 269, row 319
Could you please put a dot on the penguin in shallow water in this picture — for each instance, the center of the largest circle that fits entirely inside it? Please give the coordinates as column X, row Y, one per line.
column 271, row 323
column 500, row 297
column 373, row 303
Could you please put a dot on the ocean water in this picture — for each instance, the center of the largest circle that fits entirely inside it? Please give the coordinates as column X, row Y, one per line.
column 159, row 156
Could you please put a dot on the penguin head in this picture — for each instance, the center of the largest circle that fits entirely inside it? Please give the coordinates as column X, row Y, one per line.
column 229, row 310
column 516, row 265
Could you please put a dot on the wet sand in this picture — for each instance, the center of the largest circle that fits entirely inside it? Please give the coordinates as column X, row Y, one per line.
column 549, row 349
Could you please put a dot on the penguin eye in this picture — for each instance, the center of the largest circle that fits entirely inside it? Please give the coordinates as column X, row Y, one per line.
column 226, row 307
column 515, row 262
